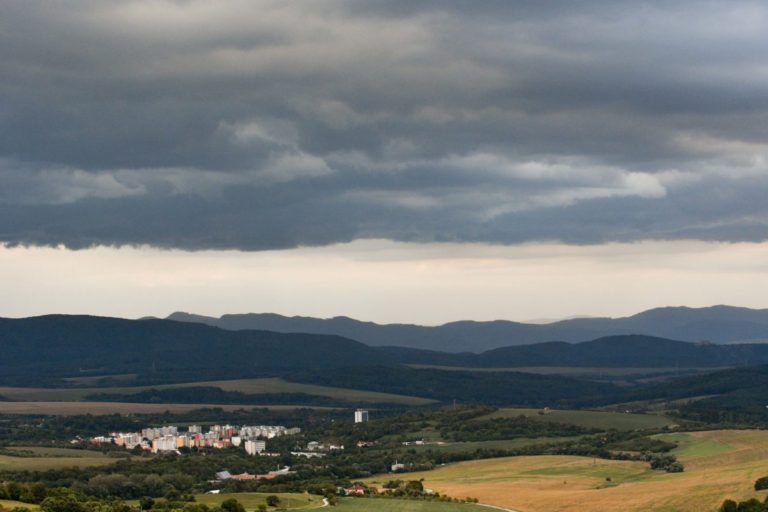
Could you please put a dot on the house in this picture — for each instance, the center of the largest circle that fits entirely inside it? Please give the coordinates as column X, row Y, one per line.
column 244, row 477
column 308, row 455
column 273, row 474
column 355, row 489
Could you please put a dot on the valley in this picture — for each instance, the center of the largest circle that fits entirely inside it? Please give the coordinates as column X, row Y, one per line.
column 532, row 428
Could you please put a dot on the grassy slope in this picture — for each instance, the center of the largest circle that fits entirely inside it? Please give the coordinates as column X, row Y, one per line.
column 590, row 419
column 251, row 500
column 270, row 385
column 719, row 465
column 10, row 504
column 387, row 505
column 574, row 371
column 471, row 446
column 52, row 458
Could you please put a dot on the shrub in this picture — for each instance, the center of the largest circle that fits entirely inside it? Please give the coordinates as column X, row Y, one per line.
column 761, row 483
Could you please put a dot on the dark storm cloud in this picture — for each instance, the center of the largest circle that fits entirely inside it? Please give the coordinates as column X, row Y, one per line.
column 261, row 125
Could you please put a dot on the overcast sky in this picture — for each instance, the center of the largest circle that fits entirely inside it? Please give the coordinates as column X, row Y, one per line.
column 273, row 141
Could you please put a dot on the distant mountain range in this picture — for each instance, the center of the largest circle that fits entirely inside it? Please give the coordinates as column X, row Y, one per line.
column 51, row 347
column 716, row 324
column 43, row 351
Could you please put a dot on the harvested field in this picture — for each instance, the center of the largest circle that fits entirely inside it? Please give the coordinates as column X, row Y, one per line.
column 390, row 505
column 252, row 500
column 38, row 458
column 69, row 408
column 10, row 504
column 718, row 465
column 249, row 386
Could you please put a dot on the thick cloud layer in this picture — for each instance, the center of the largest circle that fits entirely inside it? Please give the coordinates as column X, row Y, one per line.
column 268, row 124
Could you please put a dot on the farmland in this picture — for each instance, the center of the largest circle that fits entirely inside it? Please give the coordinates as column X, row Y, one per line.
column 248, row 386
column 251, row 500
column 590, row 419
column 38, row 458
column 66, row 408
column 389, row 505
column 574, row 371
column 10, row 504
column 294, row 501
column 718, row 465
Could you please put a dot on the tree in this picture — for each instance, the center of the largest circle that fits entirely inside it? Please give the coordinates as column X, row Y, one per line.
column 33, row 493
column 146, row 503
column 761, row 483
column 62, row 504
column 751, row 505
column 414, row 487
column 232, row 505
column 273, row 500
column 12, row 491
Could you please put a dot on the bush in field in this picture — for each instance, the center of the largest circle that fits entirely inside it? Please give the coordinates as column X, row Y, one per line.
column 729, row 506
column 761, row 483
column 232, row 505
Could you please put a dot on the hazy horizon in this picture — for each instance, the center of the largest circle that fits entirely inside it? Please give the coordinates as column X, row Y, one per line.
column 386, row 282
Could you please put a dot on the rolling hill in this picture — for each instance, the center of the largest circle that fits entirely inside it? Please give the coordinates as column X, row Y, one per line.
column 607, row 352
column 61, row 345
column 717, row 324
column 45, row 351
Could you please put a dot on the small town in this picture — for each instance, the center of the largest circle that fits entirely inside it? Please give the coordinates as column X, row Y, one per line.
column 169, row 439
column 253, row 438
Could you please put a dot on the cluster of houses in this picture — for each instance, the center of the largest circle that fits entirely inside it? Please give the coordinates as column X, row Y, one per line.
column 316, row 449
column 421, row 442
column 170, row 439
column 244, row 477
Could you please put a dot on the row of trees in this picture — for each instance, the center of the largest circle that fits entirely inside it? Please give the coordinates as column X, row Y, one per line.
column 750, row 505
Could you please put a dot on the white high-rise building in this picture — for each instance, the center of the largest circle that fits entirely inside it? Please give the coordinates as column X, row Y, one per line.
column 255, row 447
column 361, row 416
column 164, row 444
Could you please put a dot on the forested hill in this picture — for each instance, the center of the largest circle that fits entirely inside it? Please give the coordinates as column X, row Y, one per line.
column 717, row 324
column 61, row 345
column 40, row 351
column 612, row 351
column 736, row 396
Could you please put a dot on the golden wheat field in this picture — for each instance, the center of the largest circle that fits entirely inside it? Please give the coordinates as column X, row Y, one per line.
column 718, row 465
